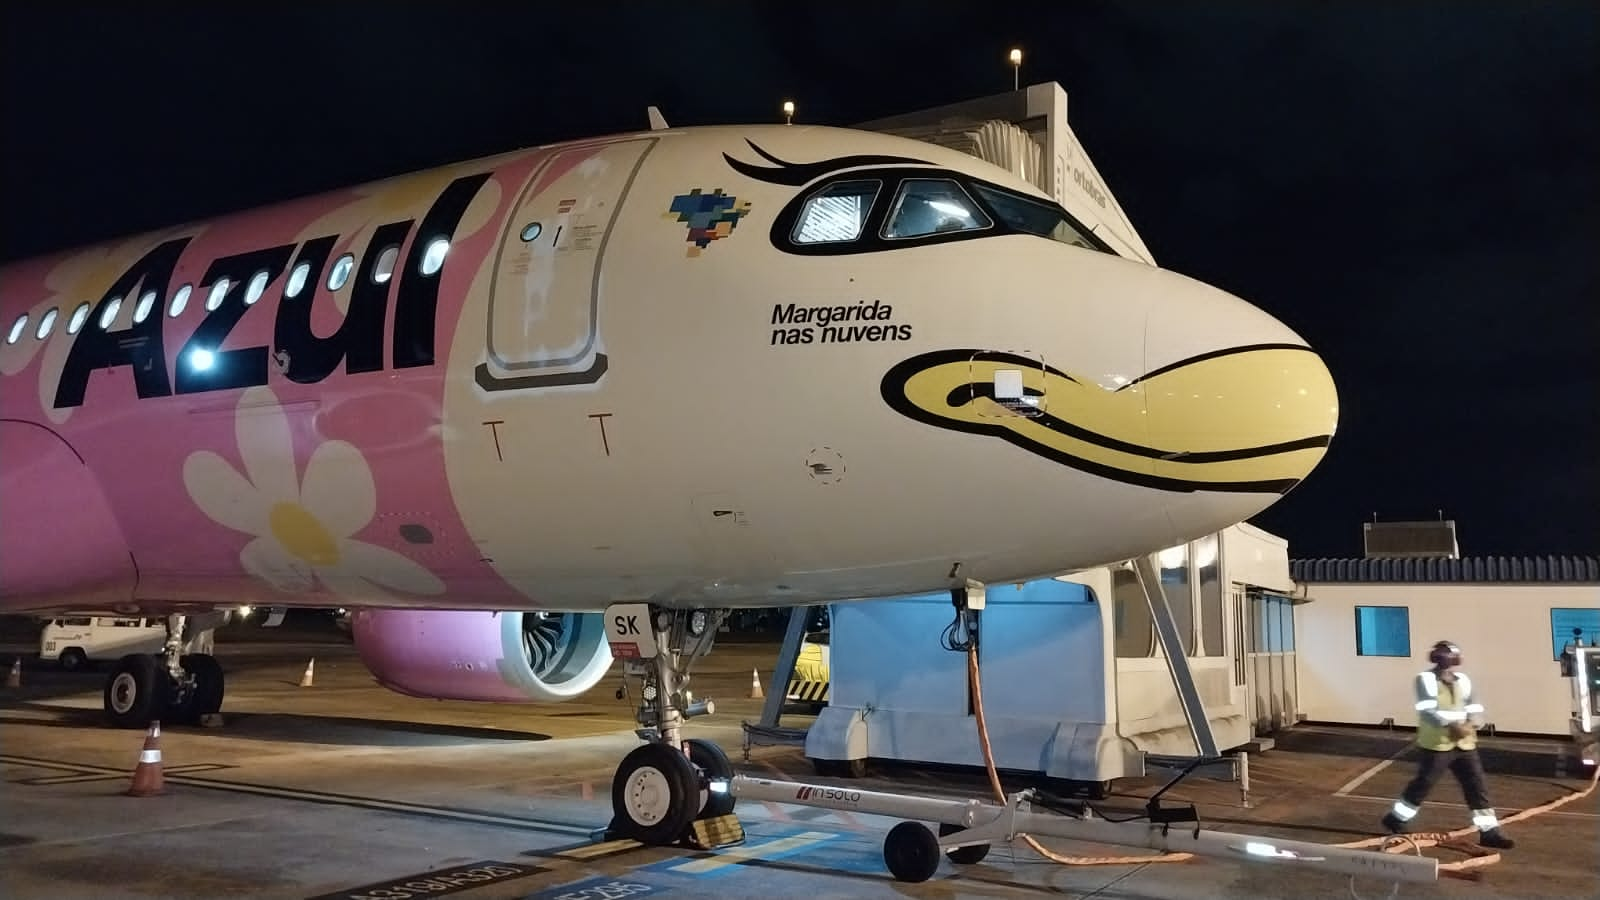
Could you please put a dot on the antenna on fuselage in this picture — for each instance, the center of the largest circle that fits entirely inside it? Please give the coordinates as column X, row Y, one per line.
column 658, row 122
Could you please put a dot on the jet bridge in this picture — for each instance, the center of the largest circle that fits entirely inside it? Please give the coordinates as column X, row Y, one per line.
column 1089, row 677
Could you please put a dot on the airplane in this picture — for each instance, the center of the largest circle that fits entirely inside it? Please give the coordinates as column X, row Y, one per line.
column 526, row 414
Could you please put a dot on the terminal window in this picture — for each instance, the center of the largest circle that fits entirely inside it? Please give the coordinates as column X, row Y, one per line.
column 1562, row 623
column 1383, row 631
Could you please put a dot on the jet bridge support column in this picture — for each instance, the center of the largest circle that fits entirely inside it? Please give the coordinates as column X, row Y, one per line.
column 766, row 731
column 1194, row 711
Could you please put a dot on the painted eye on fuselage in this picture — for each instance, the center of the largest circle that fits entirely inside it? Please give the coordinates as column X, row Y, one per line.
column 872, row 211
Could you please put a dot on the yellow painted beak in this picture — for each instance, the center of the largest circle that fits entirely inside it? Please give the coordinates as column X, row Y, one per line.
column 1252, row 419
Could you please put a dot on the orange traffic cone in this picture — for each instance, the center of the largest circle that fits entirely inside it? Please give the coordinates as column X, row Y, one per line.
column 305, row 680
column 14, row 680
column 147, row 780
column 755, row 686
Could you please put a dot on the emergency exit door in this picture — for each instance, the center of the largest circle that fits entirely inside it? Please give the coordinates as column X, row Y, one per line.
column 544, row 302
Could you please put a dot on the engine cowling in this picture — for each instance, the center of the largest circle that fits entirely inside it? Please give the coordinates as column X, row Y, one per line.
column 502, row 657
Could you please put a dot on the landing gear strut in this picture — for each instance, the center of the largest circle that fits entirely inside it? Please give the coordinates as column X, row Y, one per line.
column 665, row 786
column 172, row 685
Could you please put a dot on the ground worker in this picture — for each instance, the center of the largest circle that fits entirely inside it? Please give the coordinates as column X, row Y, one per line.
column 1448, row 718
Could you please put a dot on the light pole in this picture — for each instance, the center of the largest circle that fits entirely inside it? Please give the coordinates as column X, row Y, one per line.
column 1016, row 68
column 788, row 112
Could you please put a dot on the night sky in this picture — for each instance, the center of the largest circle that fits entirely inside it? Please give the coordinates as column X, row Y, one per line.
column 1413, row 187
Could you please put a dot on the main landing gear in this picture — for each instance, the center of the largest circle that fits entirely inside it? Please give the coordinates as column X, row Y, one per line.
column 170, row 686
column 665, row 790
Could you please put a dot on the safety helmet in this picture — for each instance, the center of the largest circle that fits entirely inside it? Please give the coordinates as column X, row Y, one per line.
column 1445, row 654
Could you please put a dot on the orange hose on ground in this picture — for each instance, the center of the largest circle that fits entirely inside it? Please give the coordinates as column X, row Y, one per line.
column 1000, row 794
column 1480, row 856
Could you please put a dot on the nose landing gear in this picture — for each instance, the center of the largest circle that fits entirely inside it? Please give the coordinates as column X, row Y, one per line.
column 671, row 789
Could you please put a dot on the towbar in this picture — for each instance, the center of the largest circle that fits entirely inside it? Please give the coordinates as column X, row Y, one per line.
column 986, row 823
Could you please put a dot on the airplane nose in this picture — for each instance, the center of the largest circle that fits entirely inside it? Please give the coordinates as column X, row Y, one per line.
column 1236, row 401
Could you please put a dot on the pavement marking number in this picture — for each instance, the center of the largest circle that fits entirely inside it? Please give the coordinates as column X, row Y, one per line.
column 603, row 887
column 438, row 882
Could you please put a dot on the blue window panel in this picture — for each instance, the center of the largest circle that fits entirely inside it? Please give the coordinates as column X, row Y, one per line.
column 1275, row 625
column 1383, row 631
column 1562, row 621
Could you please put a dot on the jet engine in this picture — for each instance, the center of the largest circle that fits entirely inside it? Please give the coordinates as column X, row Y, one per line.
column 502, row 657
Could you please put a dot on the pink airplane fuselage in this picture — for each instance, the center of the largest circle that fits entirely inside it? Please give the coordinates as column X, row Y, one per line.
column 99, row 426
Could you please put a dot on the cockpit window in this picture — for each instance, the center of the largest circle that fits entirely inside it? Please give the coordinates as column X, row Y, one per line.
column 1036, row 217
column 932, row 206
column 836, row 213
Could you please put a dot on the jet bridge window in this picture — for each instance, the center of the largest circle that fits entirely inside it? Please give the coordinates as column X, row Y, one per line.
column 1037, row 217
column 927, row 206
column 836, row 213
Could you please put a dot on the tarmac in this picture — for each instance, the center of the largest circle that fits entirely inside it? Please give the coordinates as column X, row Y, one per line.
column 344, row 789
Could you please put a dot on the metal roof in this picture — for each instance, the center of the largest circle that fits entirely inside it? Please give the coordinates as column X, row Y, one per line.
column 1470, row 570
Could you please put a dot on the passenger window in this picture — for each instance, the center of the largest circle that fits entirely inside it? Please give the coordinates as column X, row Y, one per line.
column 836, row 213
column 17, row 328
column 147, row 302
column 109, row 314
column 1036, row 217
column 45, row 324
column 433, row 258
column 297, row 279
column 932, row 206
column 257, row 287
column 79, row 316
column 219, row 292
column 340, row 273
column 179, row 301
column 385, row 266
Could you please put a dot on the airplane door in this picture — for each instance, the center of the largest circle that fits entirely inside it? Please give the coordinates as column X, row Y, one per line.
column 544, row 304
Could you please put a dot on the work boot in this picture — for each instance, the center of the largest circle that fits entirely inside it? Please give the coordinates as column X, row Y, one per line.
column 1393, row 823
column 1496, row 838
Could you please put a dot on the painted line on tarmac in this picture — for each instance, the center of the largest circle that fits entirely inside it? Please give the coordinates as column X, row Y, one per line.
column 1361, row 779
column 324, row 797
column 86, row 777
column 1504, row 811
column 718, row 863
column 600, row 850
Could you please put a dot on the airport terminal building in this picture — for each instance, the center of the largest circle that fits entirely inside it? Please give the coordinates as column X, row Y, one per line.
column 1366, row 627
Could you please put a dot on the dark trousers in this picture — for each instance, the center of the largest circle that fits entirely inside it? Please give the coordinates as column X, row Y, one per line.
column 1464, row 764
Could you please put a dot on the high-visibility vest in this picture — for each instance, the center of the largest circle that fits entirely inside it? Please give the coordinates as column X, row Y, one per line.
column 1439, row 705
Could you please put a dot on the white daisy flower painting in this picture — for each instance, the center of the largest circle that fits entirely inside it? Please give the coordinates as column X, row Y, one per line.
column 303, row 524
